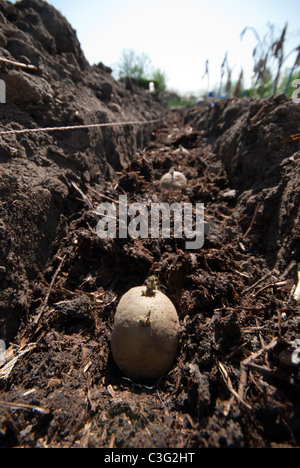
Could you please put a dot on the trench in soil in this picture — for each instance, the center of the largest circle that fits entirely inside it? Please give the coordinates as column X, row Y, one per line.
column 70, row 392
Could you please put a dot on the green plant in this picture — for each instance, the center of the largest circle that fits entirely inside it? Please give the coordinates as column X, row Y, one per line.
column 177, row 101
column 206, row 73
column 159, row 79
column 222, row 73
column 139, row 67
column 278, row 53
column 261, row 56
column 151, row 286
column 269, row 57
column 296, row 64
column 285, row 86
column 133, row 65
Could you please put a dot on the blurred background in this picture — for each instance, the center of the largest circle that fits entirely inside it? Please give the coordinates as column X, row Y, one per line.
column 194, row 48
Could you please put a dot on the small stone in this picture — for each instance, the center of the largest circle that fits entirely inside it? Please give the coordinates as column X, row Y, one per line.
column 229, row 194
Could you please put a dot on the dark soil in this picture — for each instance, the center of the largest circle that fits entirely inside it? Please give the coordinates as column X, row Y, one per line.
column 232, row 384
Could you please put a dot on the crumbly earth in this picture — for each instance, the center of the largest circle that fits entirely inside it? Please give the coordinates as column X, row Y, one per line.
column 60, row 283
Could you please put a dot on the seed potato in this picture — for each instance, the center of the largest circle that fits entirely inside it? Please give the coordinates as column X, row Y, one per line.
column 173, row 180
column 145, row 334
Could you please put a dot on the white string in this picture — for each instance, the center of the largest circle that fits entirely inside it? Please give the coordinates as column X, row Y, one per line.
column 77, row 127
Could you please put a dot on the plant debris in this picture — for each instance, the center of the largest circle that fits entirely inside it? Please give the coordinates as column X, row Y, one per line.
column 61, row 283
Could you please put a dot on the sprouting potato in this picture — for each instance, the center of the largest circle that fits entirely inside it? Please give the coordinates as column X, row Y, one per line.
column 173, row 180
column 145, row 334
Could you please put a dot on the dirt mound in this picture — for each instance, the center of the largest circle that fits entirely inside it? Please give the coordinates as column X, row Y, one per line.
column 60, row 89
column 262, row 164
column 235, row 382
